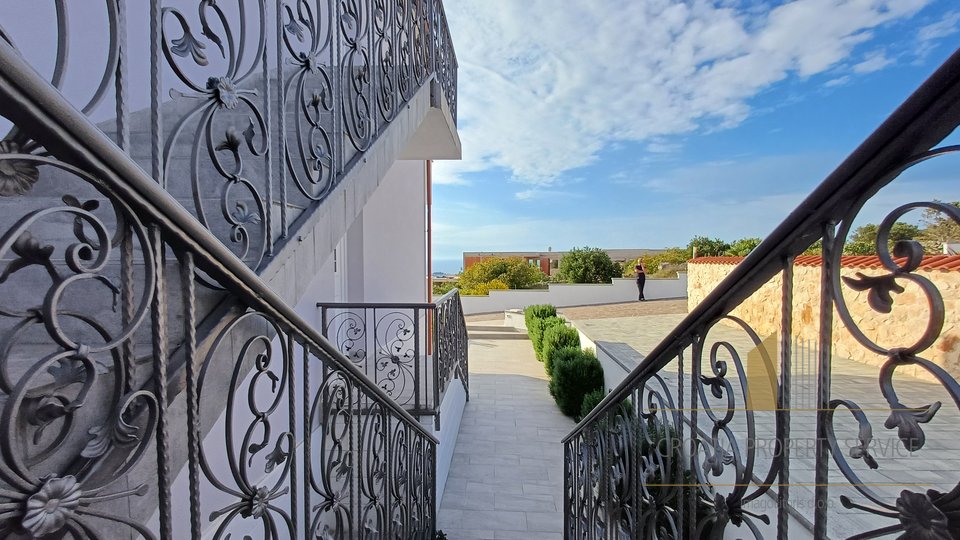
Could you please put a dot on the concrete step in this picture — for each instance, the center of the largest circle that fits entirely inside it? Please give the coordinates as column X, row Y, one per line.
column 490, row 328
column 473, row 334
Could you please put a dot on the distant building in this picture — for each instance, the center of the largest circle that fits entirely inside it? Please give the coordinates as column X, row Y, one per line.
column 549, row 261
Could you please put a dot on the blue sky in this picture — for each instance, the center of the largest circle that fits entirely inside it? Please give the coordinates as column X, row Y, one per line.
column 642, row 123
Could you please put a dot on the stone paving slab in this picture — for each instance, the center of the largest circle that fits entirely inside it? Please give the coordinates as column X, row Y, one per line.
column 506, row 478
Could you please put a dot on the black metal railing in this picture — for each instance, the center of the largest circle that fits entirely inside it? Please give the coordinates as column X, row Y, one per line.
column 684, row 449
column 125, row 409
column 248, row 112
column 411, row 351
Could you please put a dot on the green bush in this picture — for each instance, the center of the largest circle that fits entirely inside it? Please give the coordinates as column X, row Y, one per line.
column 573, row 379
column 588, row 265
column 538, row 311
column 534, row 317
column 513, row 272
column 545, row 325
column 483, row 289
column 555, row 338
column 535, row 331
column 563, row 354
column 591, row 400
column 441, row 288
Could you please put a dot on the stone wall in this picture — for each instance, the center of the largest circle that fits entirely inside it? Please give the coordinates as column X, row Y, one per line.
column 902, row 326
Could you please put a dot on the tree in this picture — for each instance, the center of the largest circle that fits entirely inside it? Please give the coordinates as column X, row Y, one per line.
column 815, row 249
column 707, row 247
column 499, row 273
column 865, row 234
column 939, row 229
column 860, row 248
column 742, row 247
column 588, row 265
column 863, row 241
column 675, row 256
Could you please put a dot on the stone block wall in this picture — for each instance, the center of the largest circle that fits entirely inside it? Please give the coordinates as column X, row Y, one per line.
column 903, row 326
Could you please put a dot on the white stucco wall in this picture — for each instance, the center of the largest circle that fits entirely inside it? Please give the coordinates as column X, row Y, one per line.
column 569, row 294
column 394, row 237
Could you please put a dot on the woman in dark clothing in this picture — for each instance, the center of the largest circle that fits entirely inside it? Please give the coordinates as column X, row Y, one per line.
column 641, row 273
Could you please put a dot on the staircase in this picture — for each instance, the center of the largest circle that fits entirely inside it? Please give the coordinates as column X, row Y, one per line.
column 156, row 380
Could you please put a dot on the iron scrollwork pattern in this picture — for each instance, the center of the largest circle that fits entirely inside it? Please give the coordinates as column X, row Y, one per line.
column 78, row 280
column 234, row 119
column 104, row 365
column 111, row 75
column 675, row 452
column 228, row 121
column 311, row 147
column 411, row 351
column 913, row 513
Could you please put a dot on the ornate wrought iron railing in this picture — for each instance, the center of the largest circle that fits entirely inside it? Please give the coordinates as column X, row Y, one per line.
column 248, row 112
column 684, row 449
column 411, row 351
column 123, row 410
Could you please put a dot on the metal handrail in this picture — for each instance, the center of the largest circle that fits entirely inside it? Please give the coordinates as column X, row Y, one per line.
column 70, row 135
column 928, row 116
column 658, row 453
column 357, row 342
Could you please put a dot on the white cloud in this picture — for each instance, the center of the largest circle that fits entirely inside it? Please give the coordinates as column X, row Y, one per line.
column 929, row 34
column 545, row 86
column 941, row 29
column 839, row 81
column 874, row 61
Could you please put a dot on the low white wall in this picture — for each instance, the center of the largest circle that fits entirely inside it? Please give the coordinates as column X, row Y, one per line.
column 451, row 412
column 575, row 294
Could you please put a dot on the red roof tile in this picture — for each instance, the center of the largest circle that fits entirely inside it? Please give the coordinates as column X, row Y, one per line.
column 933, row 262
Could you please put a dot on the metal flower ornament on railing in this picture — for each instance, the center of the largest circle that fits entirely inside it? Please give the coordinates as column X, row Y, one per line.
column 132, row 401
column 226, row 103
column 702, row 439
column 245, row 98
column 310, row 154
column 929, row 513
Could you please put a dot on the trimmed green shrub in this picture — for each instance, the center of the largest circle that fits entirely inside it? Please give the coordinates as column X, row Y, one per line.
column 591, row 400
column 534, row 317
column 561, row 355
column 556, row 338
column 538, row 311
column 573, row 379
column 535, row 331
column 545, row 326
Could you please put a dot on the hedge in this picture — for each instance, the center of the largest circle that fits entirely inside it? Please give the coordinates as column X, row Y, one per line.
column 538, row 311
column 558, row 356
column 573, row 378
column 554, row 339
column 540, row 330
column 591, row 400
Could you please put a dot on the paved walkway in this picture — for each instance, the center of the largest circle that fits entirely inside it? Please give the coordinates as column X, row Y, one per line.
column 627, row 309
column 506, row 479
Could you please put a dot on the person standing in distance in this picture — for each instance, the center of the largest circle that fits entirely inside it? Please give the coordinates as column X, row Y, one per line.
column 641, row 272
